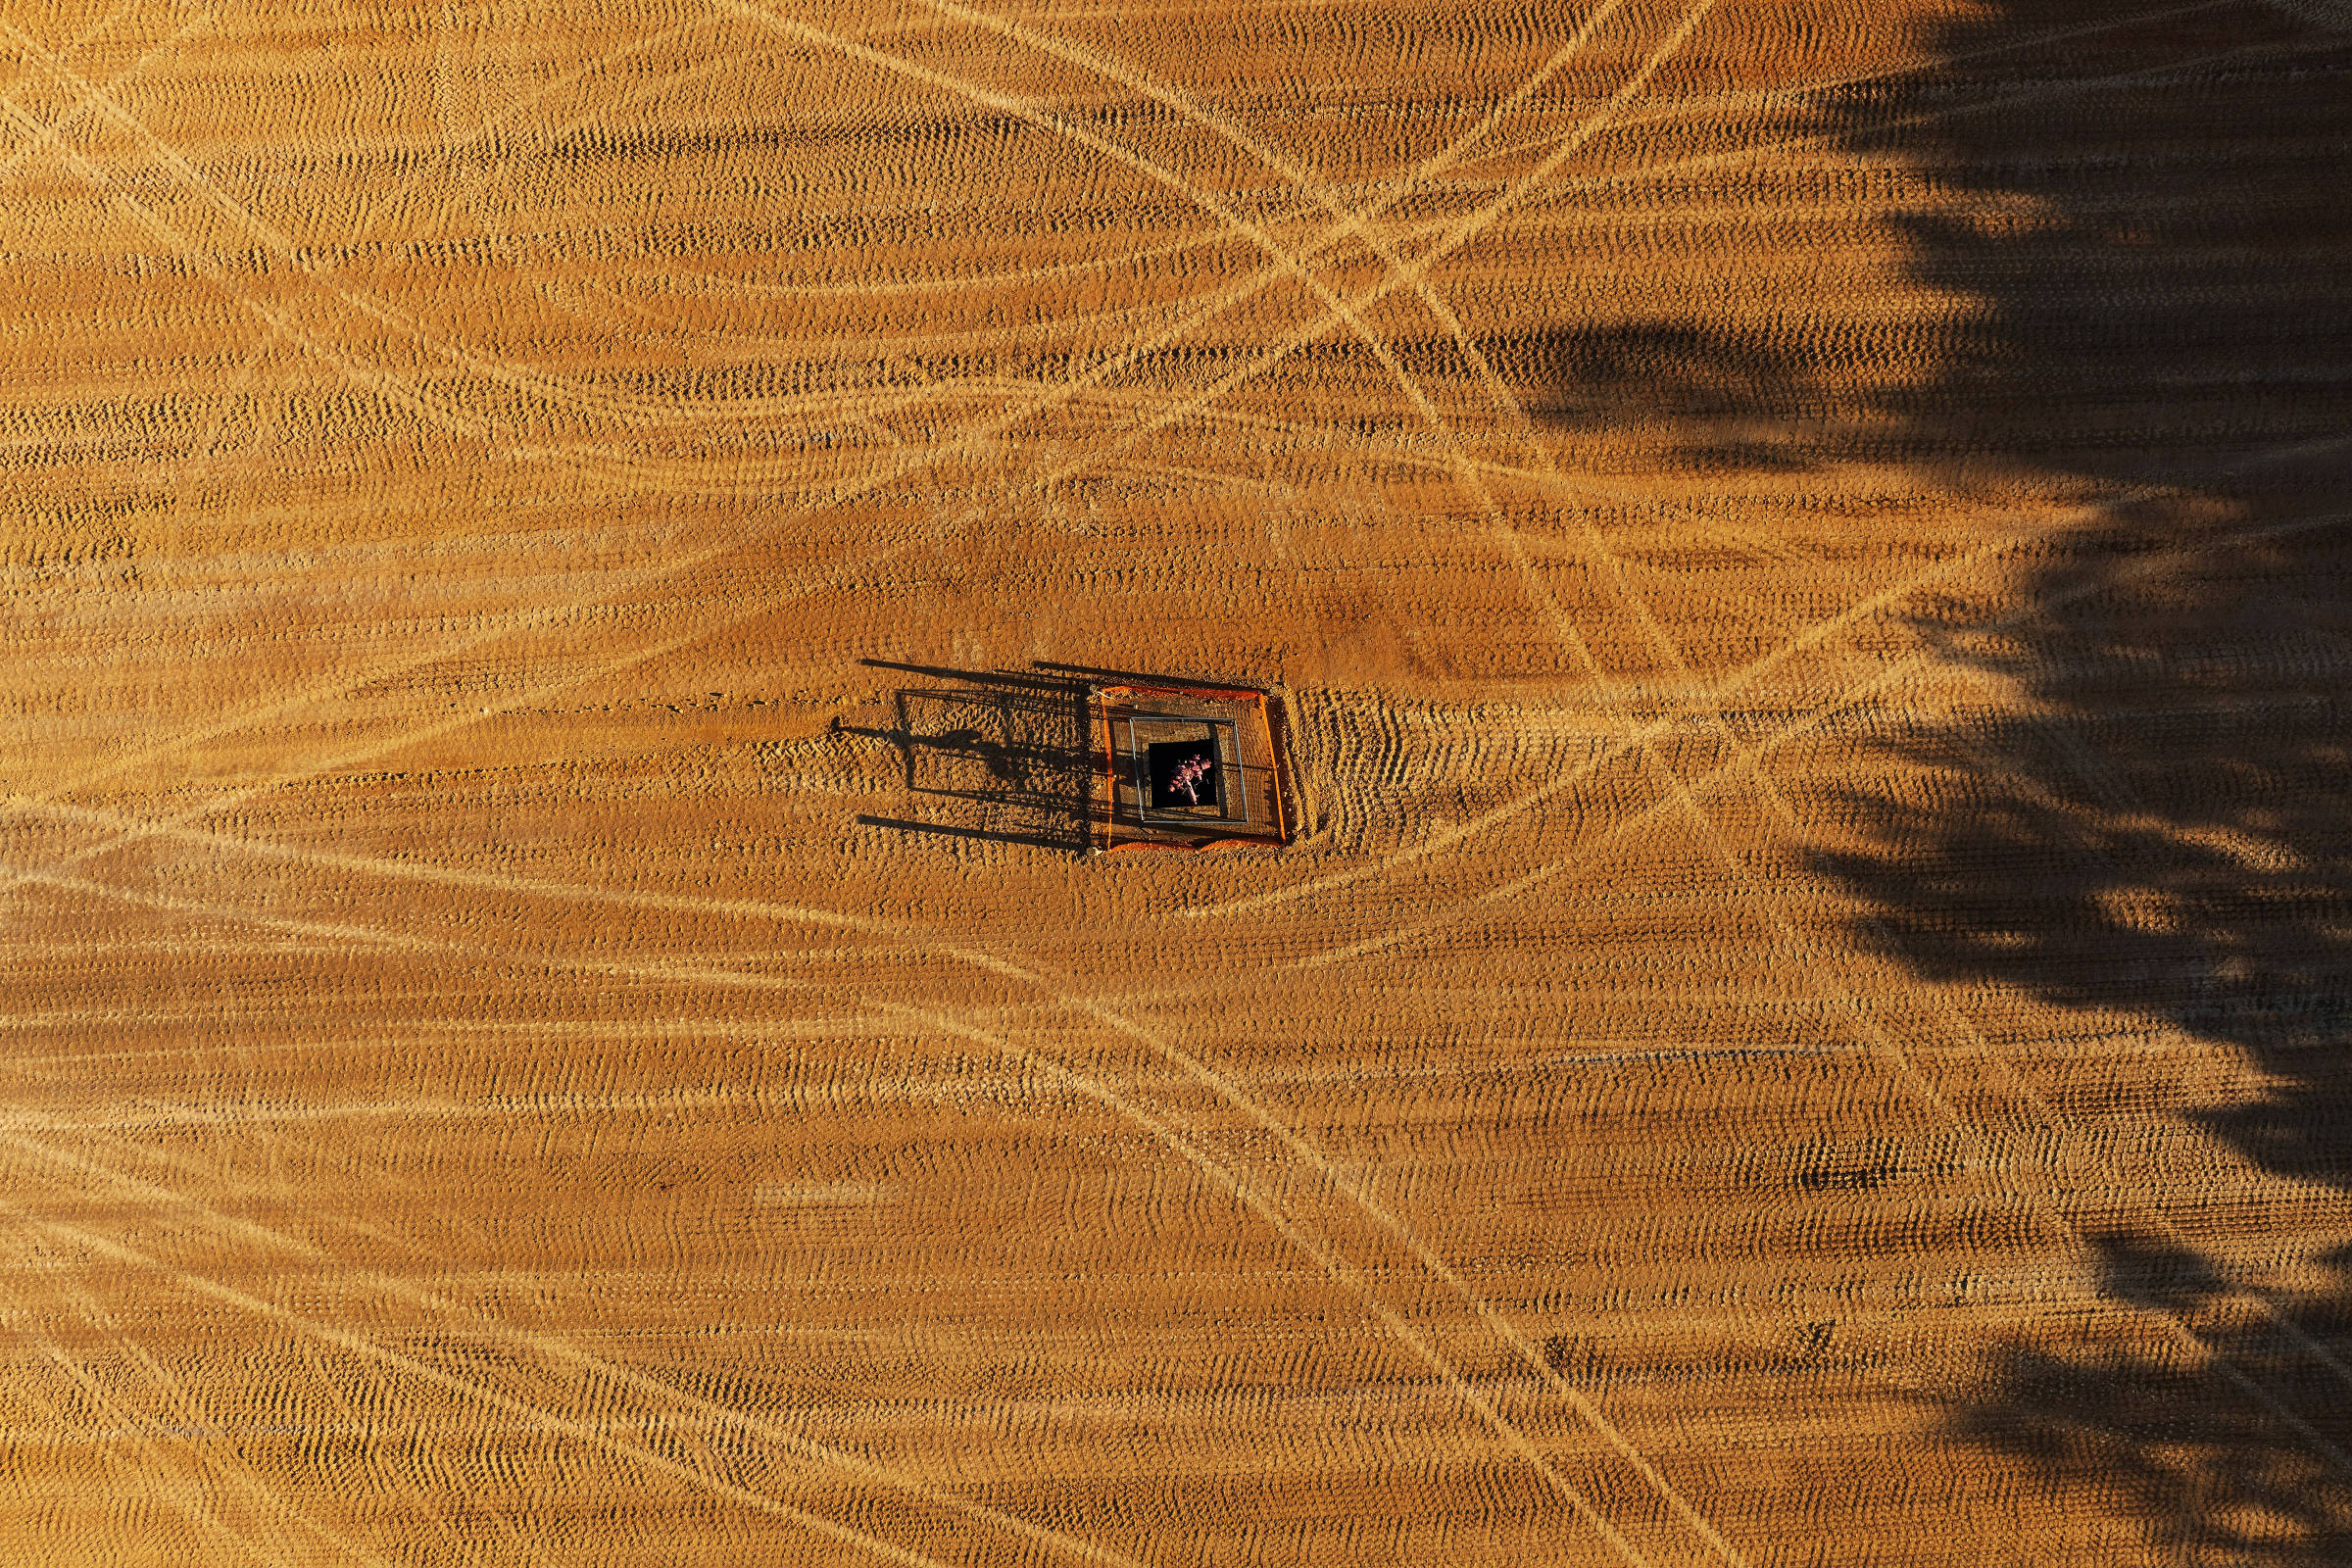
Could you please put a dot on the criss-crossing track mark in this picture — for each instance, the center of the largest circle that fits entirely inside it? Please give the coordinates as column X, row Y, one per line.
column 55, row 130
column 1062, row 393
column 155, row 1477
column 1746, row 770
column 1824, row 962
column 25, row 1139
column 1402, row 273
column 1342, row 1272
column 31, row 1146
column 130, row 833
column 550, row 391
column 1686, row 803
column 1199, row 1070
column 167, row 1480
column 1060, row 995
column 367, row 1349
column 1450, row 838
column 969, row 439
column 1289, row 261
column 1714, row 1539
column 507, row 884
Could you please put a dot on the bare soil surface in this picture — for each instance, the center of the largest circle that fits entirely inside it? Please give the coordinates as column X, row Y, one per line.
column 555, row 1007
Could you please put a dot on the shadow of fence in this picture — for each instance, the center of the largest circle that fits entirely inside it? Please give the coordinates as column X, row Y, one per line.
column 993, row 756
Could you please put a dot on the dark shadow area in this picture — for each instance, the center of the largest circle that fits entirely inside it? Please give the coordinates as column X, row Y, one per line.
column 2239, row 1460
column 2148, row 816
column 1002, row 756
column 1731, row 399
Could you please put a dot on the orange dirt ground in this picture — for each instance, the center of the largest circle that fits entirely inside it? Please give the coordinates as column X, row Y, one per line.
column 556, row 1012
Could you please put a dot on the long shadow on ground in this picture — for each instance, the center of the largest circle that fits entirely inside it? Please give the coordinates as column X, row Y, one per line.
column 2154, row 819
column 2151, row 816
column 1006, row 757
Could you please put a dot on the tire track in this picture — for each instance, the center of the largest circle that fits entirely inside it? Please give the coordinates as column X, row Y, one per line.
column 1223, row 1178
column 550, row 1348
column 1573, row 144
column 1763, row 902
column 56, row 130
column 1342, row 1272
column 1192, row 1065
column 642, row 412
column 1353, row 224
column 162, row 1481
column 1888, row 676
column 206, row 1458
column 1839, row 998
column 1738, row 680
column 1060, row 393
column 1338, row 1268
column 397, row 390
column 1286, row 258
column 1674, row 40
column 367, row 1349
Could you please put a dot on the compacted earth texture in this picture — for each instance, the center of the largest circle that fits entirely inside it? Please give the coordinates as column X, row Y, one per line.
column 560, row 1004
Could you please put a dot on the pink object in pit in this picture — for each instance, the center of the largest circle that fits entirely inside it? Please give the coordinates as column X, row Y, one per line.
column 1187, row 776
